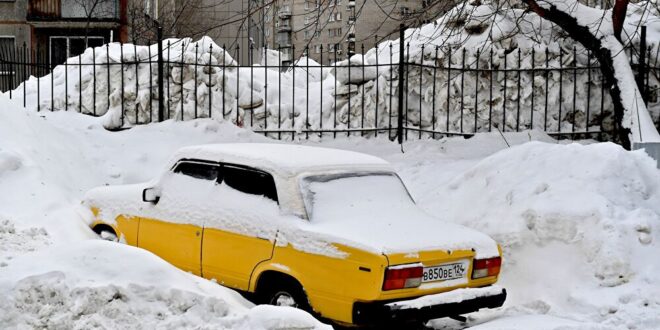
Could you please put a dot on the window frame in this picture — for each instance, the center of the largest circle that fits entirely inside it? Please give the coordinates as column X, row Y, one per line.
column 250, row 169
column 68, row 39
column 220, row 177
column 199, row 162
column 3, row 73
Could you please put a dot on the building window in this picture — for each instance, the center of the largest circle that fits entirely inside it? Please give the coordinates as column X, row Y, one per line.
column 335, row 32
column 405, row 12
column 63, row 47
column 8, row 44
column 317, row 49
column 338, row 16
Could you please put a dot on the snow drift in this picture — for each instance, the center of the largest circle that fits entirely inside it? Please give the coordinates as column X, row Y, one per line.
column 578, row 224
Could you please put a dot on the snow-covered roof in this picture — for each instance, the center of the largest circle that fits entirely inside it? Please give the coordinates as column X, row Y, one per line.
column 285, row 159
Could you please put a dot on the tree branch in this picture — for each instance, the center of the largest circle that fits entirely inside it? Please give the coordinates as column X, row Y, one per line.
column 584, row 36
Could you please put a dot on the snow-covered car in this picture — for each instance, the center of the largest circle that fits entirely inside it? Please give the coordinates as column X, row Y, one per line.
column 333, row 232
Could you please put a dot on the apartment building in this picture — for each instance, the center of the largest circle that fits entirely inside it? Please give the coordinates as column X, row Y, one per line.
column 232, row 23
column 324, row 27
column 58, row 29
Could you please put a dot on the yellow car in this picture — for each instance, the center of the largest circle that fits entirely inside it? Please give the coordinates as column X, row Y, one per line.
column 330, row 231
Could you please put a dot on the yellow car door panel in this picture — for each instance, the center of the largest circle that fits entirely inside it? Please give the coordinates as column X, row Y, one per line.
column 230, row 258
column 168, row 228
column 247, row 199
column 178, row 244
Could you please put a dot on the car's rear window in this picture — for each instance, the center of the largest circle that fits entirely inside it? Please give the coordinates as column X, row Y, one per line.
column 329, row 197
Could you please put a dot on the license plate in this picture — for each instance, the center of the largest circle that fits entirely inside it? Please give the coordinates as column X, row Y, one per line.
column 445, row 272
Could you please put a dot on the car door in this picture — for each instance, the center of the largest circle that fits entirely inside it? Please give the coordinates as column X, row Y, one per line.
column 243, row 234
column 174, row 231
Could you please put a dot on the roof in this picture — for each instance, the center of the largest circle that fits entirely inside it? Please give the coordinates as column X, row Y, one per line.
column 289, row 158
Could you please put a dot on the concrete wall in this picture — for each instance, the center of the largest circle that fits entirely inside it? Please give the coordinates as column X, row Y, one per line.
column 12, row 22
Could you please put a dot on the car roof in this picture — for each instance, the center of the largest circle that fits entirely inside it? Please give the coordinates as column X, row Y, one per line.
column 285, row 159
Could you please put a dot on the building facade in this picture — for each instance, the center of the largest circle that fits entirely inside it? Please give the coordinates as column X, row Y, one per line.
column 54, row 30
column 326, row 29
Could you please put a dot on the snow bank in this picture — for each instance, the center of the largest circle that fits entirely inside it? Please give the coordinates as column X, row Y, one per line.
column 577, row 223
column 96, row 283
column 53, row 276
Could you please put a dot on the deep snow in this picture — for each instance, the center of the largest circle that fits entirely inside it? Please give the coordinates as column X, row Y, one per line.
column 578, row 225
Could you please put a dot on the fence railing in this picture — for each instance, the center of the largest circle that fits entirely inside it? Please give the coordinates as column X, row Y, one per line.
column 414, row 92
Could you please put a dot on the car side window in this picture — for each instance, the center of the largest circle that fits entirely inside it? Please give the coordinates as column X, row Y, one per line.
column 249, row 181
column 198, row 170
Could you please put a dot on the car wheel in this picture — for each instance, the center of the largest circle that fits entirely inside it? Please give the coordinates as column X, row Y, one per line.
column 288, row 295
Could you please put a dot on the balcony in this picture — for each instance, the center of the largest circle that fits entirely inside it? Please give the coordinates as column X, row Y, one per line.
column 73, row 10
column 284, row 13
column 283, row 27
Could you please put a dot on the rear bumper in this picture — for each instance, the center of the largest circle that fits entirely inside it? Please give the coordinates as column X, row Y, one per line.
column 452, row 303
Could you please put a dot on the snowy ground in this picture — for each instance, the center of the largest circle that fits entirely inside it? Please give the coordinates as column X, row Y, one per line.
column 578, row 224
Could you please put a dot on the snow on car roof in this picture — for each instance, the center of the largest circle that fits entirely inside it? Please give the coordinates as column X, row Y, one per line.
column 288, row 158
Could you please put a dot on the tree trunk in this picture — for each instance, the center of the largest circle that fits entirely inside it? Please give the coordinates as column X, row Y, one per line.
column 619, row 16
column 583, row 35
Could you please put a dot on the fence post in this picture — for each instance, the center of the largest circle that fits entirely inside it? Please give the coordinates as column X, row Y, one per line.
column 641, row 66
column 161, row 94
column 399, row 128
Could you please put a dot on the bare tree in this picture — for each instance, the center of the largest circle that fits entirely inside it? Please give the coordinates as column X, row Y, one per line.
column 94, row 9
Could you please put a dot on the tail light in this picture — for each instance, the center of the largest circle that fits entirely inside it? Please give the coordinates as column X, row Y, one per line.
column 486, row 267
column 401, row 277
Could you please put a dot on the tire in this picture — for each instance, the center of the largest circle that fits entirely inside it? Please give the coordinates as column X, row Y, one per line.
column 289, row 294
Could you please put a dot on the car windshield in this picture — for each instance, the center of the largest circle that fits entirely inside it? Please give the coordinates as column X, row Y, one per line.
column 329, row 197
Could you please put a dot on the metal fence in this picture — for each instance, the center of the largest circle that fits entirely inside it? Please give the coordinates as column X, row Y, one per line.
column 430, row 92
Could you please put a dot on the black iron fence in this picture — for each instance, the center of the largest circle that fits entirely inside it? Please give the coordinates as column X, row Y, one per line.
column 404, row 91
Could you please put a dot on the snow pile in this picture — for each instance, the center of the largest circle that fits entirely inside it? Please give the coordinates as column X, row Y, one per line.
column 201, row 75
column 577, row 224
column 53, row 276
column 98, row 284
column 201, row 80
column 473, row 36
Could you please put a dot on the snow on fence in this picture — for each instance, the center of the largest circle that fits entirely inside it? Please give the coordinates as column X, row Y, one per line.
column 445, row 91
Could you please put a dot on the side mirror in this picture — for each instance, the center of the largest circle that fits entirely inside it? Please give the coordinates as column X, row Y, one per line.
column 149, row 195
